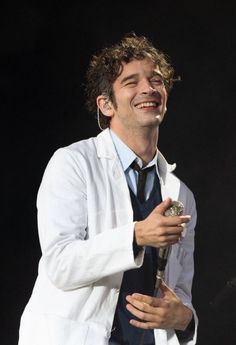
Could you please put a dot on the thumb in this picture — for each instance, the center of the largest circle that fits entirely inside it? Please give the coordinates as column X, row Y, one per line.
column 166, row 290
column 163, row 206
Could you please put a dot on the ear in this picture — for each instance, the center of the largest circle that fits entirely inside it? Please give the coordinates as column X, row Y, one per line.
column 105, row 105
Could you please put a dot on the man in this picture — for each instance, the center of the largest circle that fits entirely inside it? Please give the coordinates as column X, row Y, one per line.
column 99, row 236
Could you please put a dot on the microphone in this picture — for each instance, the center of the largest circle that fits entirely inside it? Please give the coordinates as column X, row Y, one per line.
column 176, row 209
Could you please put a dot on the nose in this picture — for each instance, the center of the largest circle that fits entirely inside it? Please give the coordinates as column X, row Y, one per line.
column 147, row 88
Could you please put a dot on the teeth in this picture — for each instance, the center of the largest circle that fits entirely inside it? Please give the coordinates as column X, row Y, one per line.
column 146, row 104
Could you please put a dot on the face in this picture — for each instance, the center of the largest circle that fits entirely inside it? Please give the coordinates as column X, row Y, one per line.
column 140, row 96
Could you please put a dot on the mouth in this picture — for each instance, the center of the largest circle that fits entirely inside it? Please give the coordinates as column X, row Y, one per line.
column 148, row 105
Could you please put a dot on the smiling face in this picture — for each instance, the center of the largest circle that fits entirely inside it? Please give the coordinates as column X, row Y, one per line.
column 139, row 97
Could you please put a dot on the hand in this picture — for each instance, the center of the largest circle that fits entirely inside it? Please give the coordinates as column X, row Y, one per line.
column 160, row 231
column 166, row 312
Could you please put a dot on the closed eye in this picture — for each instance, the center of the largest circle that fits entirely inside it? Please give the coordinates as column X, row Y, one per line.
column 131, row 83
column 157, row 81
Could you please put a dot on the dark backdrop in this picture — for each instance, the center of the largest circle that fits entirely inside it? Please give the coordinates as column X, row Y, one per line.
column 45, row 47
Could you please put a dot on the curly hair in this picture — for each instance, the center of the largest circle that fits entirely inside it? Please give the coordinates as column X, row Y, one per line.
column 106, row 66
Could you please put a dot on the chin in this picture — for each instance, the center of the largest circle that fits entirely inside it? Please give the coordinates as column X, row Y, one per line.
column 159, row 118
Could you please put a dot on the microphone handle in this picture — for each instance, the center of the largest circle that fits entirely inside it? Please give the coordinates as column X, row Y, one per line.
column 161, row 264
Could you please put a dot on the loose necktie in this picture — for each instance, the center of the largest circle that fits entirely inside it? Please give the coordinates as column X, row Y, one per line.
column 142, row 176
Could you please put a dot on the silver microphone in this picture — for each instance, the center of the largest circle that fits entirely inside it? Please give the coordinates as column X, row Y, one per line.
column 176, row 209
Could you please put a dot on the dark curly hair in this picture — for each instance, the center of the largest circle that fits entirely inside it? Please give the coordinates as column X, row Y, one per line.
column 106, row 66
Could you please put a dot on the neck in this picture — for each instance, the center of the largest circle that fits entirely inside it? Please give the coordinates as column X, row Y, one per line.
column 143, row 144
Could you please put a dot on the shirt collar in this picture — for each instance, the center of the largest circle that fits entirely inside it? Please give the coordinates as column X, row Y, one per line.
column 127, row 156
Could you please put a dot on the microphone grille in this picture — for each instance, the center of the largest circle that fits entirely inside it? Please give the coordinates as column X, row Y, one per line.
column 176, row 209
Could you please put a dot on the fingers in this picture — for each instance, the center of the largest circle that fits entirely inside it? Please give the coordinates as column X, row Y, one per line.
column 169, row 235
column 145, row 309
column 143, row 299
column 163, row 206
column 176, row 220
column 143, row 325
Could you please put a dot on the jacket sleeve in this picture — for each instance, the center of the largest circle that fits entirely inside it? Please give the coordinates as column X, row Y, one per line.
column 186, row 254
column 71, row 258
column 183, row 286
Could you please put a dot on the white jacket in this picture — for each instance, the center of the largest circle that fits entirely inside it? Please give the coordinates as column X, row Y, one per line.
column 85, row 222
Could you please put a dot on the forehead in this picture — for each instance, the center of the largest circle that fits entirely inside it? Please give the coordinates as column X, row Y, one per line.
column 142, row 67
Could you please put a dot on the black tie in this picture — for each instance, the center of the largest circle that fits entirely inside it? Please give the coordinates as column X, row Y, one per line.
column 142, row 176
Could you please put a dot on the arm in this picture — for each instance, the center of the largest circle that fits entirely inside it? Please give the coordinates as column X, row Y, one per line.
column 72, row 257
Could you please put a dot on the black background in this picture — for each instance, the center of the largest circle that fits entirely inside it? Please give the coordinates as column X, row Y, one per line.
column 45, row 49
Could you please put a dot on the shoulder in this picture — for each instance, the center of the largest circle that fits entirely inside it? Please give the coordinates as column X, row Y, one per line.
column 71, row 160
column 76, row 151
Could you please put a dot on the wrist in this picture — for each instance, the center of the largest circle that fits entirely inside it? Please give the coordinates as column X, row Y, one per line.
column 136, row 247
column 187, row 333
column 187, row 317
column 138, row 234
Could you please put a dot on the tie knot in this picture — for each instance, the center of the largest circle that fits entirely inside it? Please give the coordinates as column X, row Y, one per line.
column 134, row 165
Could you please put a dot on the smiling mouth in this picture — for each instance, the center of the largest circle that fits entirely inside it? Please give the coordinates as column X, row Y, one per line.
column 147, row 105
